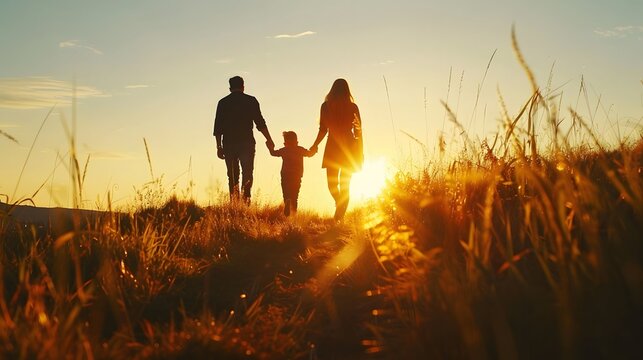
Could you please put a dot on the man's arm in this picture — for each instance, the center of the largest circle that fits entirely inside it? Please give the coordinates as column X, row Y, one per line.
column 266, row 134
column 219, row 142
column 218, row 133
column 260, row 122
column 272, row 150
column 220, row 154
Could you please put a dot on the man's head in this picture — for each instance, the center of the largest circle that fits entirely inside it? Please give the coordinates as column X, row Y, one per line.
column 236, row 83
column 290, row 138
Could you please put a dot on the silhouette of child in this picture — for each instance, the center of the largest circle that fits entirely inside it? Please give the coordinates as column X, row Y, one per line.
column 292, row 169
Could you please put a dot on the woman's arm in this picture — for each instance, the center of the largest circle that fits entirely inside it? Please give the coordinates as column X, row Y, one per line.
column 357, row 123
column 320, row 136
column 323, row 128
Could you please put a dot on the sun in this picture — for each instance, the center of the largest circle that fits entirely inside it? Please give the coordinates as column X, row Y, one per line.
column 369, row 182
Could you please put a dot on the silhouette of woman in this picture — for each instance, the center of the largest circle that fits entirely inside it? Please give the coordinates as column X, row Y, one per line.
column 343, row 155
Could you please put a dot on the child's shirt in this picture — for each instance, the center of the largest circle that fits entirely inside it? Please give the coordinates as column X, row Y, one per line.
column 293, row 160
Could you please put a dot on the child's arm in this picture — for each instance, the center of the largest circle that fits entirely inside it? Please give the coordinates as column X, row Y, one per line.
column 310, row 153
column 307, row 153
column 271, row 149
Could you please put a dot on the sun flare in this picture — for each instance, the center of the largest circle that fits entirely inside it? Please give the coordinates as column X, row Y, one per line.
column 370, row 182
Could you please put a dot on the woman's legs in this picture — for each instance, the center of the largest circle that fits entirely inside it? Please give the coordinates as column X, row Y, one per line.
column 345, row 177
column 332, row 176
column 339, row 182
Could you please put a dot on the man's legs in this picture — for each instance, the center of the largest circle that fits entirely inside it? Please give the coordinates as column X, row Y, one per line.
column 247, row 159
column 232, row 165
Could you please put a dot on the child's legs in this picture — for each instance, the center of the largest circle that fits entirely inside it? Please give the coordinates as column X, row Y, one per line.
column 296, row 186
column 284, row 187
column 286, row 194
column 290, row 185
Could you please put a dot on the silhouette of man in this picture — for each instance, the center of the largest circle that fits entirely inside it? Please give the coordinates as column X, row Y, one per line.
column 233, row 126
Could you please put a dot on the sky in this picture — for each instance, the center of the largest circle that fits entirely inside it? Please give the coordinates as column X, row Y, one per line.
column 155, row 70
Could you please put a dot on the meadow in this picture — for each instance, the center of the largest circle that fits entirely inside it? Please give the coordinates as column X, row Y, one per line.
column 516, row 248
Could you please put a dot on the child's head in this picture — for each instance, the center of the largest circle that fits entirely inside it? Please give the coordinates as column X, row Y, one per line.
column 290, row 138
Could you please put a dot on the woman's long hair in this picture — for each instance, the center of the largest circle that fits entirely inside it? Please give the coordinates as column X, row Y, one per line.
column 339, row 92
column 339, row 106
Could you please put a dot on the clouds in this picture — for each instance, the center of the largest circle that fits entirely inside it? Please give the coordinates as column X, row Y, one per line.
column 78, row 44
column 41, row 92
column 620, row 31
column 137, row 86
column 294, row 36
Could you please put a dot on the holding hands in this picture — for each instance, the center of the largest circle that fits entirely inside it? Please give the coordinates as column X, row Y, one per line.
column 271, row 148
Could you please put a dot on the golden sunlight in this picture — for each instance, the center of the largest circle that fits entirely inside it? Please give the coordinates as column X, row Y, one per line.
column 369, row 182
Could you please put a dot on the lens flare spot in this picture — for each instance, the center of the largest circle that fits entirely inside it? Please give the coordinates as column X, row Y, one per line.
column 371, row 180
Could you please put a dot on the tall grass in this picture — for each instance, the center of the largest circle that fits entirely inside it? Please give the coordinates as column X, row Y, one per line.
column 511, row 252
column 166, row 281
